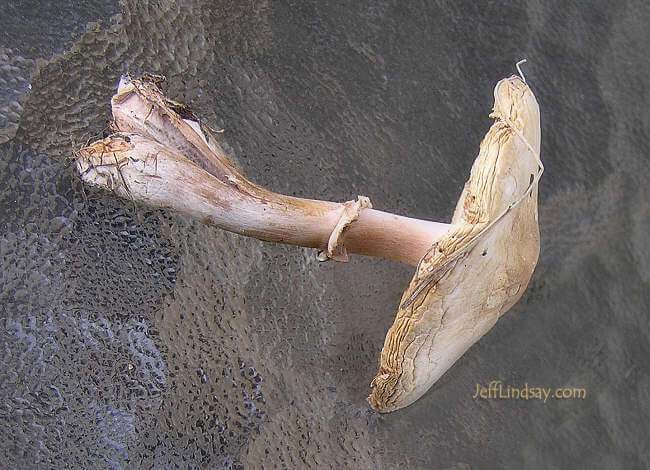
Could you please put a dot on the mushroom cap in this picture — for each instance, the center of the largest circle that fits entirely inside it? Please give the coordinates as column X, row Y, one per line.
column 480, row 268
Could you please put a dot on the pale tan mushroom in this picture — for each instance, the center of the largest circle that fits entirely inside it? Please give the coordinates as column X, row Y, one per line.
column 468, row 272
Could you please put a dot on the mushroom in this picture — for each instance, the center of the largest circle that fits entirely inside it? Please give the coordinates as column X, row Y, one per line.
column 469, row 272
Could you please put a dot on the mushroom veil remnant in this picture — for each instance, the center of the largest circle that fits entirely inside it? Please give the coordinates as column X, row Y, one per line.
column 469, row 272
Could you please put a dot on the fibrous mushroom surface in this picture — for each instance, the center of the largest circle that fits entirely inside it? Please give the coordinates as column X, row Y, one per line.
column 480, row 267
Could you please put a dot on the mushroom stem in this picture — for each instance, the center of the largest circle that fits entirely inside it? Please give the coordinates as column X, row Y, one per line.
column 163, row 156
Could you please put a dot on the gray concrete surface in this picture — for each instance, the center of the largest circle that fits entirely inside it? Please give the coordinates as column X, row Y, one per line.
column 134, row 338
